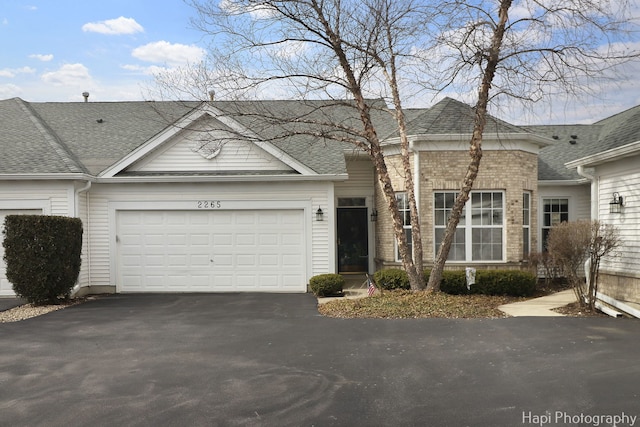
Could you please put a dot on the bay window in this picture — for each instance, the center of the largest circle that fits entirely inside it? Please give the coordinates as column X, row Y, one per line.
column 479, row 239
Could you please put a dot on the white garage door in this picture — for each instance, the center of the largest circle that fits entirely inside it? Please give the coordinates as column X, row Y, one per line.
column 6, row 288
column 211, row 251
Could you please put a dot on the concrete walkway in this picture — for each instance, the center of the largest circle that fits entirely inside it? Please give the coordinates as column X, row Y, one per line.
column 540, row 307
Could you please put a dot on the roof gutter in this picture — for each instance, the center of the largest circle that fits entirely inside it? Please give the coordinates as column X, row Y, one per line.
column 46, row 176
column 220, row 178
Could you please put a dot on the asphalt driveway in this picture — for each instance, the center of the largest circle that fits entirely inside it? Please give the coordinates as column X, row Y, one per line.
column 271, row 360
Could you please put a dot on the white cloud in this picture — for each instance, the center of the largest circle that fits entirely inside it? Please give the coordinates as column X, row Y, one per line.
column 12, row 72
column 68, row 74
column 116, row 26
column 163, row 52
column 9, row 91
column 41, row 57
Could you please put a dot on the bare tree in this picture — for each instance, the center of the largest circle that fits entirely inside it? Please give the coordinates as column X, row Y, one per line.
column 525, row 50
column 574, row 245
column 325, row 49
column 389, row 49
column 605, row 239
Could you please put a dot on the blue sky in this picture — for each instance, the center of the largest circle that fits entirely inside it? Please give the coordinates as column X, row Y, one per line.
column 54, row 50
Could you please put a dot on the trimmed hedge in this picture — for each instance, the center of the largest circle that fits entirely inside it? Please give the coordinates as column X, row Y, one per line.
column 515, row 283
column 324, row 285
column 488, row 282
column 391, row 278
column 43, row 256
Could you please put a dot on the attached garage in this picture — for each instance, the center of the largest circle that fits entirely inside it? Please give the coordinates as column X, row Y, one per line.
column 261, row 250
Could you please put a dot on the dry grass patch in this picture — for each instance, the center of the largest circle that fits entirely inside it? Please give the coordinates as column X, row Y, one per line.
column 411, row 305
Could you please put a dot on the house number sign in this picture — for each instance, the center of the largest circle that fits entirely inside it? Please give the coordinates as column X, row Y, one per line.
column 209, row 204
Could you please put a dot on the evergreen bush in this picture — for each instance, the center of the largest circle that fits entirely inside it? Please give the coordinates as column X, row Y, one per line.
column 328, row 284
column 42, row 255
column 391, row 278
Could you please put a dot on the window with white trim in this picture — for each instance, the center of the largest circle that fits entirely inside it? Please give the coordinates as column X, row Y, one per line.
column 405, row 212
column 480, row 240
column 526, row 224
column 554, row 212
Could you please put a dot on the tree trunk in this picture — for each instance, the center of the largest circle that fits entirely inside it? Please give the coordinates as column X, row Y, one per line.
column 475, row 150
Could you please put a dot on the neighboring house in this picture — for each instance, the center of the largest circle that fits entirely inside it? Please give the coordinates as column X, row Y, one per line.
column 225, row 196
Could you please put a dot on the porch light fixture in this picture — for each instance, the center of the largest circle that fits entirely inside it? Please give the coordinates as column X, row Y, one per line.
column 319, row 214
column 374, row 215
column 616, row 204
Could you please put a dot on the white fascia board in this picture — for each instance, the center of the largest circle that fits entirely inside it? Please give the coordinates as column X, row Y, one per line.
column 220, row 178
column 560, row 182
column 613, row 154
column 490, row 141
column 199, row 112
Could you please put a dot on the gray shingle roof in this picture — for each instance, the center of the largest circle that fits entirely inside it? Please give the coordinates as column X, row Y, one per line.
column 571, row 142
column 88, row 137
column 454, row 117
column 28, row 146
column 101, row 133
column 578, row 141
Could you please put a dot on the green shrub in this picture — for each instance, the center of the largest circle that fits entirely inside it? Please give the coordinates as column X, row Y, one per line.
column 454, row 282
column 514, row 283
column 489, row 282
column 324, row 285
column 391, row 278
column 43, row 256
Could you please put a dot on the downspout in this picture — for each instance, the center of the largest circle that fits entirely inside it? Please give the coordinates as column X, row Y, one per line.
column 594, row 213
column 76, row 213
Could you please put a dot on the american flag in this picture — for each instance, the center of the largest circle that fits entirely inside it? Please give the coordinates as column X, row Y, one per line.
column 371, row 288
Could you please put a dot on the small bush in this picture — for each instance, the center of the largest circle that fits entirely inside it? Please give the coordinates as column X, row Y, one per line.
column 490, row 282
column 454, row 282
column 391, row 278
column 514, row 283
column 43, row 256
column 324, row 285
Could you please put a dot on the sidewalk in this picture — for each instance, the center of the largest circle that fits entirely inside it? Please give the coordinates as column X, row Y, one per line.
column 540, row 307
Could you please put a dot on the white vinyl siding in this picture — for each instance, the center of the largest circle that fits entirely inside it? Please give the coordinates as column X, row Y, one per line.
column 626, row 258
column 234, row 156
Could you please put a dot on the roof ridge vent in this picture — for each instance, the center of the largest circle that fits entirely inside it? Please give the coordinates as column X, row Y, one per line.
column 85, row 95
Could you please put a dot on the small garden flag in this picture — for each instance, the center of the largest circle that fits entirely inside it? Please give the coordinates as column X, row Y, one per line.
column 371, row 288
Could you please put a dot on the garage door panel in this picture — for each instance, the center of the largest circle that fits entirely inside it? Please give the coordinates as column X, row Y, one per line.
column 211, row 251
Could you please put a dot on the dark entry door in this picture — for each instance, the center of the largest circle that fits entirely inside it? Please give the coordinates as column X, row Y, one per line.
column 353, row 240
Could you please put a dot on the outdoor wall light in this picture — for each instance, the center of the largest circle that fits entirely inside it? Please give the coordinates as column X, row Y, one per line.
column 374, row 215
column 319, row 214
column 616, row 204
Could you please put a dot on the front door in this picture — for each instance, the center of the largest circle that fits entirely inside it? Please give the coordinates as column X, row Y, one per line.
column 353, row 240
